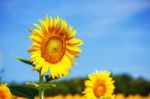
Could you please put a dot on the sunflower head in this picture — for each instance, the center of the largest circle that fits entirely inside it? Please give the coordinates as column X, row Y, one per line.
column 99, row 86
column 4, row 92
column 54, row 46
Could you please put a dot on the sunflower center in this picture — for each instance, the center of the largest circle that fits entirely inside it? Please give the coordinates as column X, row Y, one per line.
column 53, row 49
column 54, row 46
column 99, row 90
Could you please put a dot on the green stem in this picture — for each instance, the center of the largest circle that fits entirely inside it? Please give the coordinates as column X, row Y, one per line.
column 41, row 93
column 41, row 90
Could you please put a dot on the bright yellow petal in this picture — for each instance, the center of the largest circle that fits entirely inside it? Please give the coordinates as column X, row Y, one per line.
column 44, row 69
column 73, row 41
column 66, row 62
column 47, row 20
column 56, row 22
column 71, row 34
column 38, row 26
column 44, row 26
column 39, row 65
column 37, row 32
column 73, row 48
column 35, row 38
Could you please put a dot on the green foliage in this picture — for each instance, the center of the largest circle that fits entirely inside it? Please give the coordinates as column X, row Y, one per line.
column 73, row 86
column 124, row 84
column 26, row 61
column 23, row 91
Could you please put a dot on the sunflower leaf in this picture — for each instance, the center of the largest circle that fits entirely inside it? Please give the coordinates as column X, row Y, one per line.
column 32, row 85
column 46, row 85
column 23, row 91
column 25, row 61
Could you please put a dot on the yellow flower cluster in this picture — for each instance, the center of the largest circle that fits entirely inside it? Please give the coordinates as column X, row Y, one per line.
column 137, row 96
column 69, row 96
column 118, row 96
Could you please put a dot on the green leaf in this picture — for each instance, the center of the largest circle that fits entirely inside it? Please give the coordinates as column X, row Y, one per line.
column 46, row 86
column 32, row 85
column 40, row 85
column 23, row 91
column 25, row 61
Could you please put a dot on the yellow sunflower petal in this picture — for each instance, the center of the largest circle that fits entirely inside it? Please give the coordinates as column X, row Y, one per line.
column 44, row 26
column 47, row 20
column 62, row 30
column 73, row 41
column 39, row 65
column 44, row 69
column 38, row 26
column 64, row 24
column 73, row 48
column 35, row 44
column 50, row 22
column 70, row 55
column 53, row 72
column 33, row 49
column 71, row 34
column 35, row 38
column 73, row 53
column 56, row 22
column 37, row 32
column 89, row 83
column 66, row 61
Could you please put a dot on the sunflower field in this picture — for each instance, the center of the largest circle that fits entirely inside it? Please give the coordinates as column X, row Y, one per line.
column 75, row 49
column 53, row 50
column 126, row 88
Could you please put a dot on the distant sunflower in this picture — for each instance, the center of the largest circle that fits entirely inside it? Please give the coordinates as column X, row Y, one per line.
column 4, row 92
column 99, row 86
column 54, row 46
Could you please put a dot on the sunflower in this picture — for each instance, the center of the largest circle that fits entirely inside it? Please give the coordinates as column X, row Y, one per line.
column 99, row 86
column 53, row 46
column 4, row 92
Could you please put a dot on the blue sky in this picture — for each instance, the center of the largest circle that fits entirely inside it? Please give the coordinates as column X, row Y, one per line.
column 116, row 35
